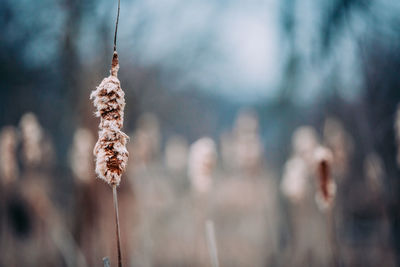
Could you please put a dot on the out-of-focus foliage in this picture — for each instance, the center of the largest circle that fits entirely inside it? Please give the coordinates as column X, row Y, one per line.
column 331, row 65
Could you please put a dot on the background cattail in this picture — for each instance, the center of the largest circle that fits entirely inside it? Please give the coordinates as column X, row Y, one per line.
column 176, row 153
column 145, row 145
column 248, row 149
column 110, row 149
column 8, row 157
column 295, row 179
column 202, row 160
column 374, row 172
column 32, row 135
column 81, row 155
column 326, row 187
column 304, row 142
column 341, row 144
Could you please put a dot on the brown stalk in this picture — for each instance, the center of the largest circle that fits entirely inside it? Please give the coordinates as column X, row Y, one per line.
column 116, row 28
column 115, row 197
column 117, row 232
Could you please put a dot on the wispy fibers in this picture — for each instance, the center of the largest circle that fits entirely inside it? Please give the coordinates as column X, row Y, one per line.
column 110, row 150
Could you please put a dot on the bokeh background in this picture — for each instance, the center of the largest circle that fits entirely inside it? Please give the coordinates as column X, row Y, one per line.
column 226, row 103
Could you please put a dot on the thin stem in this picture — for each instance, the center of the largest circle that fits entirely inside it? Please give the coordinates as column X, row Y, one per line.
column 118, row 235
column 212, row 243
column 333, row 238
column 116, row 28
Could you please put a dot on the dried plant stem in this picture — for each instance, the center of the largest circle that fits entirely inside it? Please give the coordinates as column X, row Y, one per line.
column 212, row 243
column 331, row 227
column 116, row 28
column 118, row 235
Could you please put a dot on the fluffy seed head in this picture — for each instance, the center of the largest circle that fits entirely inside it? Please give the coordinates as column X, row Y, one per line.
column 110, row 150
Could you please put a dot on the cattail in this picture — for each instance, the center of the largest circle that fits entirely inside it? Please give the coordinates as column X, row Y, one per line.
column 145, row 146
column 32, row 135
column 176, row 153
column 374, row 172
column 304, row 142
column 8, row 157
column 148, row 122
column 202, row 159
column 341, row 144
column 81, row 155
column 110, row 149
column 326, row 187
column 295, row 179
column 227, row 148
column 247, row 143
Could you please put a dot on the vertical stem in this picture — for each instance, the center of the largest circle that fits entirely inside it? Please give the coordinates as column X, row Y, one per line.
column 333, row 238
column 116, row 28
column 118, row 235
column 212, row 243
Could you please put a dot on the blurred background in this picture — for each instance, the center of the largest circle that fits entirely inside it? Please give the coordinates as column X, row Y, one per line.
column 233, row 109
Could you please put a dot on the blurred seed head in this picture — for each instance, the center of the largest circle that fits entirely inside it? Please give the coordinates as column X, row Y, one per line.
column 247, row 145
column 80, row 156
column 32, row 135
column 176, row 153
column 8, row 154
column 295, row 179
column 374, row 172
column 227, row 148
column 202, row 160
column 145, row 144
column 340, row 142
column 304, row 142
column 246, row 122
column 149, row 124
column 326, row 187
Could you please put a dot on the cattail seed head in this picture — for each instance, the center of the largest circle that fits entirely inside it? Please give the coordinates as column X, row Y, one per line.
column 32, row 136
column 374, row 172
column 202, row 160
column 81, row 155
column 8, row 157
column 326, row 186
column 304, row 142
column 294, row 183
column 110, row 150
